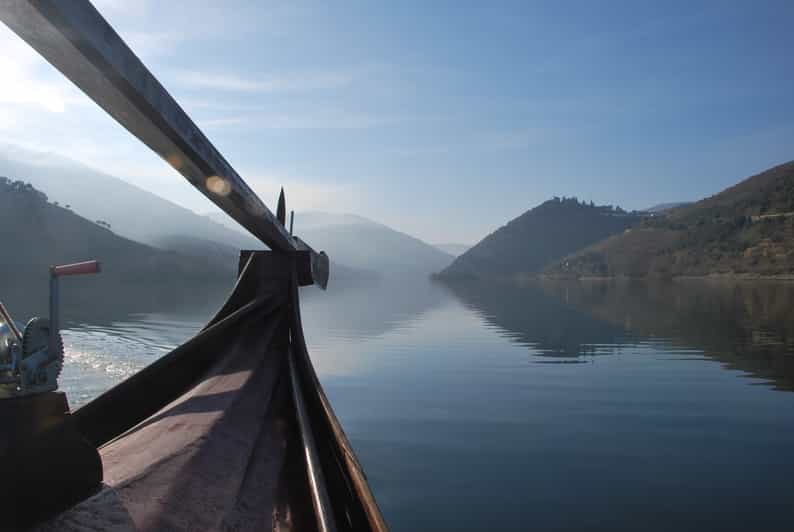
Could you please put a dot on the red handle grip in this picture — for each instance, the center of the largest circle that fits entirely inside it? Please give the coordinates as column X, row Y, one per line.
column 78, row 268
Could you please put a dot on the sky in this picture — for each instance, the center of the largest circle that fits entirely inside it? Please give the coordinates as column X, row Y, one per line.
column 440, row 119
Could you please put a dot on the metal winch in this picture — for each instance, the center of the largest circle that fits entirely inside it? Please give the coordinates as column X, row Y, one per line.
column 31, row 357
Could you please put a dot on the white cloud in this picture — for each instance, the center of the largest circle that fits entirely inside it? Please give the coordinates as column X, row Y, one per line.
column 213, row 123
column 321, row 120
column 327, row 121
column 149, row 44
column 123, row 9
column 133, row 22
column 19, row 88
column 27, row 80
column 295, row 82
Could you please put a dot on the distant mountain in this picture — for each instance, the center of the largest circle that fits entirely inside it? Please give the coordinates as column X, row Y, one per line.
column 131, row 212
column 225, row 258
column 36, row 234
column 371, row 246
column 455, row 250
column 358, row 247
column 305, row 220
column 308, row 220
column 664, row 207
column 747, row 229
column 362, row 244
column 538, row 237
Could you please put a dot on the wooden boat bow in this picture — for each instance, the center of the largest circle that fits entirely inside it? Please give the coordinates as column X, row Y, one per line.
column 230, row 430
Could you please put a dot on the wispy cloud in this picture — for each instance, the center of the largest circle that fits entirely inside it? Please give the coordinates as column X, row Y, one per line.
column 124, row 8
column 336, row 120
column 27, row 81
column 484, row 142
column 213, row 123
column 294, row 82
column 150, row 44
column 19, row 88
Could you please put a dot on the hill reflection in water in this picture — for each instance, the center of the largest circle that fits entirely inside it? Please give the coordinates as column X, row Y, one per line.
column 565, row 406
column 748, row 326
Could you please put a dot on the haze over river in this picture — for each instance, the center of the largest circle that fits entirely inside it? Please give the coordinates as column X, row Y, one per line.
column 546, row 406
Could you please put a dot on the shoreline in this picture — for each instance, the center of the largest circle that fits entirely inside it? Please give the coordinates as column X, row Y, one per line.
column 707, row 277
column 738, row 277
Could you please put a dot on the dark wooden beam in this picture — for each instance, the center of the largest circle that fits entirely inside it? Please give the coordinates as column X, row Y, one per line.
column 75, row 38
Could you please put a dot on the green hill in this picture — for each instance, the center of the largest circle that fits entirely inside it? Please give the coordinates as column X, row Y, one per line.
column 539, row 237
column 746, row 230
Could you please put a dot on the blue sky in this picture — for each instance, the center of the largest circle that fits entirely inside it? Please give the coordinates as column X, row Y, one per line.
column 441, row 119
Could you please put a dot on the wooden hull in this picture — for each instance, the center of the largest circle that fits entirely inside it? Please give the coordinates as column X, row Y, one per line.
column 230, row 430
column 207, row 438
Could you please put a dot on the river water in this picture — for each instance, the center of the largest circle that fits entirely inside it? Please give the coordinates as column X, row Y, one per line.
column 546, row 406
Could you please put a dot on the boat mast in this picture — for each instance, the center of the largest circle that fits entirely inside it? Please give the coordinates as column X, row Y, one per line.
column 75, row 38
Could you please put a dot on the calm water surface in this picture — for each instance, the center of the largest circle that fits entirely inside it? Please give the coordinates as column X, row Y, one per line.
column 550, row 406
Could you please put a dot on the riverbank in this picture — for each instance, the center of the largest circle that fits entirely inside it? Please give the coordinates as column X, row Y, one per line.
column 708, row 277
column 529, row 277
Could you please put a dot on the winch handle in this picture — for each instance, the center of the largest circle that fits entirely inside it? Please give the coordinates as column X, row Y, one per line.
column 56, row 272
column 78, row 268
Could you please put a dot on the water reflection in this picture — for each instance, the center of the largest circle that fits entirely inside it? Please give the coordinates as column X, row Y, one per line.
column 370, row 308
column 747, row 326
column 347, row 326
column 538, row 318
column 555, row 406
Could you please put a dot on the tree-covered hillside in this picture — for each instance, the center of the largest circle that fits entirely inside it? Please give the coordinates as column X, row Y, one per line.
column 36, row 234
column 747, row 229
column 538, row 237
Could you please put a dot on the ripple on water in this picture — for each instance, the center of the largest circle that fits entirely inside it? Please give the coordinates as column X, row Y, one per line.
column 98, row 357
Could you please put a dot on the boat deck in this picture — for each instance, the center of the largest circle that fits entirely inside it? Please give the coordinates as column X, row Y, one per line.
column 226, row 455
